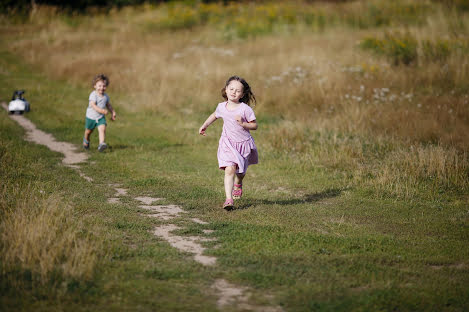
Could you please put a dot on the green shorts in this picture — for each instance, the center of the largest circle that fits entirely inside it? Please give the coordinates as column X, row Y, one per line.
column 90, row 124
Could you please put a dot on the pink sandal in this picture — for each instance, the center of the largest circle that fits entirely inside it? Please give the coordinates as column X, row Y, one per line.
column 237, row 193
column 228, row 205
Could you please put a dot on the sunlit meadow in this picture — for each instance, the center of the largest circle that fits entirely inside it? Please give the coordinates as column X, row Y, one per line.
column 388, row 72
column 376, row 89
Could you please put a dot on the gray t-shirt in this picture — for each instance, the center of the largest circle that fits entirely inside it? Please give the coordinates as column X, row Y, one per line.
column 100, row 102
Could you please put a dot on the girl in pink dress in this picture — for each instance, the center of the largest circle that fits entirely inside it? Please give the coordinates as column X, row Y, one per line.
column 236, row 149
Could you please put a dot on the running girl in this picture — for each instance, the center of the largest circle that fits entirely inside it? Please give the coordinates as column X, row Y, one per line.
column 236, row 148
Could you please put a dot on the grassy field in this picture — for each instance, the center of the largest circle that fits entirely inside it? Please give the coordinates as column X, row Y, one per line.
column 360, row 200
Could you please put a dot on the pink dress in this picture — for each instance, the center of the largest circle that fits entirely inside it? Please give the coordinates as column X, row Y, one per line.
column 236, row 146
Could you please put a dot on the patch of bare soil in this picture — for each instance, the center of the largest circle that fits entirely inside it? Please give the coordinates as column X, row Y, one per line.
column 232, row 295
column 147, row 200
column 33, row 134
column 196, row 220
column 165, row 212
column 113, row 200
column 189, row 244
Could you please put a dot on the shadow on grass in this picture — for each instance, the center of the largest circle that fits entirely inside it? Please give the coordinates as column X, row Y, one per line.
column 308, row 198
column 120, row 146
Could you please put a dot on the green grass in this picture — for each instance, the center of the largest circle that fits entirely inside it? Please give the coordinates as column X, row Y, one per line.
column 403, row 48
column 307, row 235
column 254, row 20
column 136, row 269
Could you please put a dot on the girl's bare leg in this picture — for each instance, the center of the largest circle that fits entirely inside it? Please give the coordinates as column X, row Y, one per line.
column 229, row 180
column 239, row 179
column 102, row 133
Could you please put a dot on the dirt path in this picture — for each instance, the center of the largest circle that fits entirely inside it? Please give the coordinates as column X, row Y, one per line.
column 72, row 157
column 35, row 135
column 228, row 294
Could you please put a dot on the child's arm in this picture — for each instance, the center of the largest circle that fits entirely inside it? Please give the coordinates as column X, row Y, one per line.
column 251, row 125
column 113, row 112
column 96, row 108
column 207, row 123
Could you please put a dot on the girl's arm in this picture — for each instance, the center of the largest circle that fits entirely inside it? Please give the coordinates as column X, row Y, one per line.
column 96, row 108
column 207, row 123
column 251, row 125
column 113, row 112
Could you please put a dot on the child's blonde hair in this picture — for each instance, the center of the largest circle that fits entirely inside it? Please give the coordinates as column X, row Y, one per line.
column 100, row 77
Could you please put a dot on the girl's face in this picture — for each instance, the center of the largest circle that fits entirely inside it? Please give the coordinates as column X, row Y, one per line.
column 234, row 91
column 100, row 87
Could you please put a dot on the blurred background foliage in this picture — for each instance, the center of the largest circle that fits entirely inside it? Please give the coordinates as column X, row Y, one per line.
column 83, row 5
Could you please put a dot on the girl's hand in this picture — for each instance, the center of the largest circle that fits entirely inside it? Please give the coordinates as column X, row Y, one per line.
column 104, row 111
column 202, row 130
column 113, row 117
column 239, row 120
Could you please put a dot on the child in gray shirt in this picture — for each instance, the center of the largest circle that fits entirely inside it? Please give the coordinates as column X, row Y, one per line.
column 99, row 105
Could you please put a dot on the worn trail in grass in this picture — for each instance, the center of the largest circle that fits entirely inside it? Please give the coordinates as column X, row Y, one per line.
column 229, row 295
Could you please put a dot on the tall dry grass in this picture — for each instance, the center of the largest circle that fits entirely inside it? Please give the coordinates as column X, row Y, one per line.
column 389, row 166
column 443, row 170
column 41, row 238
column 317, row 79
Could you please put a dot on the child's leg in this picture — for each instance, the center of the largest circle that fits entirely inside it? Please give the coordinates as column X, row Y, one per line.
column 239, row 179
column 237, row 189
column 87, row 134
column 229, row 180
column 102, row 133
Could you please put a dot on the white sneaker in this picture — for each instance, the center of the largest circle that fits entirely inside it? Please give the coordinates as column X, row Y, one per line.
column 102, row 147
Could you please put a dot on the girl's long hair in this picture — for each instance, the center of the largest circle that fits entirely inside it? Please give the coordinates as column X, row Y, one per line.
column 248, row 96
